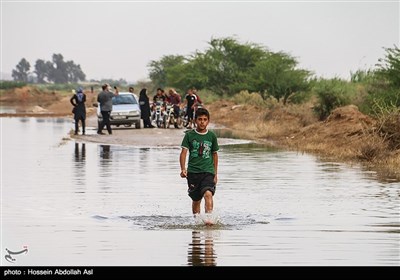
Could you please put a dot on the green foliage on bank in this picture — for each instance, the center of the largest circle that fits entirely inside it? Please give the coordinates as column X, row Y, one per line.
column 56, row 87
column 11, row 84
column 331, row 94
column 251, row 74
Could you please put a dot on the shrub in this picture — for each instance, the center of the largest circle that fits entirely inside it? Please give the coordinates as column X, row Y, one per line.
column 331, row 94
column 300, row 97
column 382, row 99
column 244, row 97
column 208, row 96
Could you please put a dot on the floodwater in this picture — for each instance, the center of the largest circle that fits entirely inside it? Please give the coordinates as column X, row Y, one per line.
column 75, row 203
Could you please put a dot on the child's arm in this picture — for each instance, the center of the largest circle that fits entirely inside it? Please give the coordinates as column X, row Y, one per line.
column 182, row 161
column 215, row 159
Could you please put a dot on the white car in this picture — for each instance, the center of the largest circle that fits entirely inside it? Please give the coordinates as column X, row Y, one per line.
column 125, row 110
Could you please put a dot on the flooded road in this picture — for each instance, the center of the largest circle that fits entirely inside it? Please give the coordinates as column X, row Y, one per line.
column 81, row 203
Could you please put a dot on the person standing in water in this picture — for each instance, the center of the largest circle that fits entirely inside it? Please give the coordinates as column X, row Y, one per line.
column 78, row 101
column 105, row 100
column 201, row 173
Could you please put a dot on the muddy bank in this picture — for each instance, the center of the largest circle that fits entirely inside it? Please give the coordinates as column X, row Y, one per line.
column 346, row 135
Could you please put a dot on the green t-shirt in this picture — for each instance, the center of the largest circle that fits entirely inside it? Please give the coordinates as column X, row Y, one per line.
column 201, row 147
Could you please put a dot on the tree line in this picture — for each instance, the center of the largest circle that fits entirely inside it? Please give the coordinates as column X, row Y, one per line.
column 228, row 67
column 56, row 71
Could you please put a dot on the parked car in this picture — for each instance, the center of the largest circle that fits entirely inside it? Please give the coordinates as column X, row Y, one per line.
column 125, row 110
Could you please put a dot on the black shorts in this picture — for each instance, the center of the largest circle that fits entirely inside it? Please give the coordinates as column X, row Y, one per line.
column 199, row 183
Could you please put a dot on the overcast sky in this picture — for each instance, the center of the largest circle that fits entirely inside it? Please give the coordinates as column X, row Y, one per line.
column 118, row 40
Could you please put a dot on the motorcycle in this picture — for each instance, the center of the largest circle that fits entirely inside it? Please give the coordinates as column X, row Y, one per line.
column 185, row 118
column 171, row 118
column 158, row 115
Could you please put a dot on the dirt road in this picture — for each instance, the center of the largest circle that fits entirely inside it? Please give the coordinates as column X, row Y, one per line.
column 145, row 137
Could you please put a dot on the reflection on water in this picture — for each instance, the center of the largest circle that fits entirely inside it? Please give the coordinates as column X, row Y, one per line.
column 201, row 249
column 105, row 152
column 80, row 153
column 90, row 204
column 79, row 164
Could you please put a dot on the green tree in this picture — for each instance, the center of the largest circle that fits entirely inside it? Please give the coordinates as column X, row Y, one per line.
column 187, row 74
column 276, row 75
column 158, row 69
column 50, row 71
column 22, row 71
column 75, row 73
column 389, row 67
column 41, row 70
column 227, row 64
column 59, row 71
column 383, row 87
column 227, row 67
column 62, row 72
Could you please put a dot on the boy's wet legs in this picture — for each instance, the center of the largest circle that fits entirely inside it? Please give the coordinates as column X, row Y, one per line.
column 209, row 203
column 196, row 207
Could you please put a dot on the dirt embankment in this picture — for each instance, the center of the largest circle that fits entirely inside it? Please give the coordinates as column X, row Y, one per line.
column 346, row 135
column 29, row 101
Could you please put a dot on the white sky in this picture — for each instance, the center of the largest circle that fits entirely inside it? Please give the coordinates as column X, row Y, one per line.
column 119, row 39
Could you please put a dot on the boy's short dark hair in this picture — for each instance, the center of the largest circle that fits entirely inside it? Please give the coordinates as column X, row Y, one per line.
column 202, row 112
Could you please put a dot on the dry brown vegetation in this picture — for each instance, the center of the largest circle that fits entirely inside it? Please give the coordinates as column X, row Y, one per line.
column 346, row 135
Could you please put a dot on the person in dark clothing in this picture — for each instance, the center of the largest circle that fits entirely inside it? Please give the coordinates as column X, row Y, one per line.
column 79, row 110
column 190, row 100
column 160, row 98
column 105, row 100
column 145, row 108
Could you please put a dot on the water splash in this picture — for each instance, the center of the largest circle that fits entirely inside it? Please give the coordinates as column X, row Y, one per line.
column 196, row 222
column 207, row 219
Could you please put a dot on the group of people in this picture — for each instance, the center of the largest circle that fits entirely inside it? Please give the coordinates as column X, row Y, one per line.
column 191, row 101
column 79, row 108
column 199, row 144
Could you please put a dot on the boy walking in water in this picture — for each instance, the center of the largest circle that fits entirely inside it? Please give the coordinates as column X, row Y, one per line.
column 201, row 173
